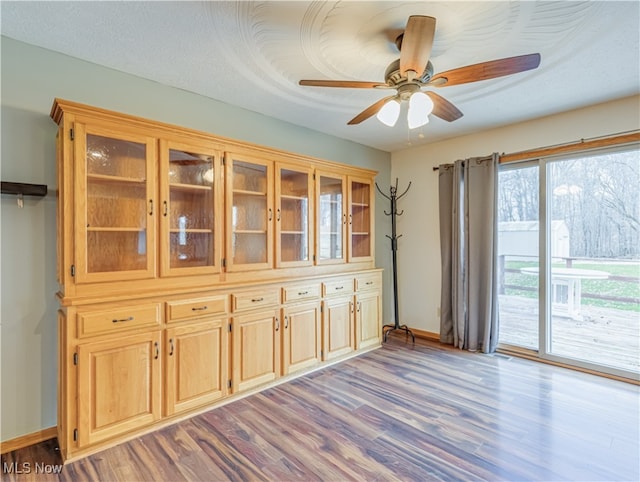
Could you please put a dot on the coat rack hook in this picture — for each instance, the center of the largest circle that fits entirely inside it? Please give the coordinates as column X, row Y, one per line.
column 405, row 191
column 380, row 191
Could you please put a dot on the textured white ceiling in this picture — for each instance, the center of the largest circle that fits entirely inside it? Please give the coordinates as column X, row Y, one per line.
column 252, row 54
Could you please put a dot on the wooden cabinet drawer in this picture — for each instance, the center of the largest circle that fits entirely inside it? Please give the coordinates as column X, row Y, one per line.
column 300, row 292
column 115, row 319
column 368, row 281
column 255, row 299
column 342, row 286
column 197, row 307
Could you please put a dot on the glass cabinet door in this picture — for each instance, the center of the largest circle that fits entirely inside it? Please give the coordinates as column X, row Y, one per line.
column 293, row 214
column 249, row 196
column 115, row 210
column 191, row 183
column 360, row 222
column 332, row 218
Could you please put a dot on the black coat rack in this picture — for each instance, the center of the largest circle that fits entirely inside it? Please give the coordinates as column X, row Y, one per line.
column 393, row 198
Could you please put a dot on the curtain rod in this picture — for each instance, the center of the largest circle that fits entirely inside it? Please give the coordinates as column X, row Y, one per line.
column 593, row 142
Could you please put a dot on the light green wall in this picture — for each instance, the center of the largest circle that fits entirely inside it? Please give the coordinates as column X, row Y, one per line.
column 31, row 78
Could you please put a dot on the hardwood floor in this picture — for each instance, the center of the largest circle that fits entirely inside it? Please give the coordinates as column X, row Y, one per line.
column 398, row 413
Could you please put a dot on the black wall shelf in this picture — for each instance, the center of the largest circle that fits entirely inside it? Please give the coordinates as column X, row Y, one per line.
column 24, row 189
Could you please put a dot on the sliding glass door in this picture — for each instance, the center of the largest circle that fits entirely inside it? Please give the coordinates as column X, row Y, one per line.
column 583, row 284
column 518, row 254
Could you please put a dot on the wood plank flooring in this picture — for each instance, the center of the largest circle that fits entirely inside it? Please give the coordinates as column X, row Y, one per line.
column 402, row 412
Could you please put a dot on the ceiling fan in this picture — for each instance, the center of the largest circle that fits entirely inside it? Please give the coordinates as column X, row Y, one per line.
column 413, row 71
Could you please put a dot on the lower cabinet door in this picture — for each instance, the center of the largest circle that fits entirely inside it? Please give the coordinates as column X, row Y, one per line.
column 368, row 316
column 196, row 365
column 337, row 327
column 118, row 386
column 256, row 349
column 301, row 337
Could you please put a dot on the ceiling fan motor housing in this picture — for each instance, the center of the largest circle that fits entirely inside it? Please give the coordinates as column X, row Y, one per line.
column 393, row 77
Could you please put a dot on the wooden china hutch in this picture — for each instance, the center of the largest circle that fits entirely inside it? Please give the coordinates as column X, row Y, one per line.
column 193, row 269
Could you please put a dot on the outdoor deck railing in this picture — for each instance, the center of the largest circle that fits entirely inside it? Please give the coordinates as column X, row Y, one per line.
column 568, row 262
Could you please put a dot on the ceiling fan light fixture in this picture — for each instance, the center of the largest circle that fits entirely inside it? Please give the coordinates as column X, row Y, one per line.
column 420, row 106
column 389, row 113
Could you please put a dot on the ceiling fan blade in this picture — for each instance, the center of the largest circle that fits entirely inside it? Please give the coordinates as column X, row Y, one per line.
column 352, row 84
column 486, row 70
column 369, row 111
column 443, row 108
column 416, row 44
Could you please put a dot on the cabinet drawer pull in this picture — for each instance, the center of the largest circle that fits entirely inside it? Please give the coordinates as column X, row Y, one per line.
column 339, row 288
column 170, row 346
column 155, row 344
column 301, row 293
column 122, row 320
column 201, row 308
column 369, row 283
column 256, row 300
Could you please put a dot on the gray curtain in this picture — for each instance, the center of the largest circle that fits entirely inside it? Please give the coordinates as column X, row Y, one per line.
column 468, row 246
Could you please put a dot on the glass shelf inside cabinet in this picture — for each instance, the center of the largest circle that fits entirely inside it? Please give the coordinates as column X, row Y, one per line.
column 191, row 209
column 330, row 218
column 294, row 215
column 249, row 213
column 360, row 219
column 116, row 211
column 249, row 178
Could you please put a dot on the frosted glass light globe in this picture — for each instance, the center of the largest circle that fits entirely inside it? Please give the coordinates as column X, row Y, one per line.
column 420, row 106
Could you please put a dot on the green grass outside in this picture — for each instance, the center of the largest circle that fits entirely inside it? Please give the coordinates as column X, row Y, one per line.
column 601, row 287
